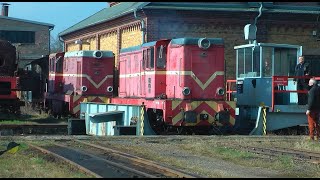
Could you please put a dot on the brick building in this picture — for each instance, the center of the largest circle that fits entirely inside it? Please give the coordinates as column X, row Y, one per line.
column 31, row 38
column 128, row 24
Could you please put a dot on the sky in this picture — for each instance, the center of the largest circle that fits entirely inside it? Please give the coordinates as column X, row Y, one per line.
column 61, row 14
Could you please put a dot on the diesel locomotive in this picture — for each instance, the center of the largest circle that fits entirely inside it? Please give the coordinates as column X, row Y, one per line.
column 181, row 83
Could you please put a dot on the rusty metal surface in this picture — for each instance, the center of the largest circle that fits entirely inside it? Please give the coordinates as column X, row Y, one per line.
column 65, row 159
column 147, row 164
column 93, row 164
column 313, row 157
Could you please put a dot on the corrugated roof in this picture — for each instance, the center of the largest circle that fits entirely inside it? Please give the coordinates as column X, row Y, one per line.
column 124, row 8
column 27, row 21
column 104, row 15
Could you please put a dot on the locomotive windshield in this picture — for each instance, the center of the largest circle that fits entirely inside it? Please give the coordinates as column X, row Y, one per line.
column 266, row 60
column 248, row 62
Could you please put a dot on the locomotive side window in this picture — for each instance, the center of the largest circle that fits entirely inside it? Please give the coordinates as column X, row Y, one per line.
column 51, row 66
column 267, row 61
column 59, row 64
column 148, row 58
column 247, row 60
column 150, row 61
column 240, row 68
column 161, row 57
column 144, row 59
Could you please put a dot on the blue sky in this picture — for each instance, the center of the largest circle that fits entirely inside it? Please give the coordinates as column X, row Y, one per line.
column 61, row 14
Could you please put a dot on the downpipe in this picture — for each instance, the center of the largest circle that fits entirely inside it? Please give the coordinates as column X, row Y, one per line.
column 143, row 28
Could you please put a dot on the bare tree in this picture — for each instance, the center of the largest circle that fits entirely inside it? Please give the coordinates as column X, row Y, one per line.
column 55, row 44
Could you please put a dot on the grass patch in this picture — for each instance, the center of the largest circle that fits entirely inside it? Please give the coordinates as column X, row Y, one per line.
column 286, row 164
column 214, row 148
column 27, row 163
column 31, row 119
column 15, row 122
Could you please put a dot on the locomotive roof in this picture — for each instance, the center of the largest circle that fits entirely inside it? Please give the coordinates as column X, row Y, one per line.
column 130, row 49
column 186, row 41
column 87, row 53
column 180, row 41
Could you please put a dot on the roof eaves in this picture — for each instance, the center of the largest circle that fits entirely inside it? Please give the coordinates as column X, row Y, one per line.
column 103, row 20
column 28, row 21
column 238, row 9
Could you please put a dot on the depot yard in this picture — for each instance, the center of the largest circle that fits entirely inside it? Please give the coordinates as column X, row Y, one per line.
column 207, row 156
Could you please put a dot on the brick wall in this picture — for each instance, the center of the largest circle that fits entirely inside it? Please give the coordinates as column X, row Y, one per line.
column 112, row 36
column 108, row 42
column 272, row 28
column 29, row 51
column 131, row 36
column 72, row 47
column 281, row 29
column 92, row 44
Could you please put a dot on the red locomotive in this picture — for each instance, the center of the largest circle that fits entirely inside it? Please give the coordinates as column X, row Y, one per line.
column 78, row 76
column 179, row 81
column 9, row 82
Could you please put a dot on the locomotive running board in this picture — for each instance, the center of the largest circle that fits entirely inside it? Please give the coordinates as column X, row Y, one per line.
column 279, row 120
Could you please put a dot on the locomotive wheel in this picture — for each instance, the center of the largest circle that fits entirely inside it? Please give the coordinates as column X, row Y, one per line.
column 156, row 121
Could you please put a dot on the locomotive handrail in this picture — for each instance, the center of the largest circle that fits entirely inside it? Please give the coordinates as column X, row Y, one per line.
column 229, row 91
column 283, row 81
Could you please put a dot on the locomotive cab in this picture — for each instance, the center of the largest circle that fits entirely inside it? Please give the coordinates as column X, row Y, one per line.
column 257, row 64
column 267, row 98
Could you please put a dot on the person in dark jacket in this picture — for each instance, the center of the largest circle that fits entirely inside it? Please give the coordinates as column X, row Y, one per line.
column 302, row 69
column 313, row 109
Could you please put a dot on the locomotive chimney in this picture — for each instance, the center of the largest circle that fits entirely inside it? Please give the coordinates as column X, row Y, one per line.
column 5, row 9
column 113, row 3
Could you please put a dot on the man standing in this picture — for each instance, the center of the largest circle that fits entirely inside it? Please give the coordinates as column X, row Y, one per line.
column 301, row 69
column 313, row 109
column 267, row 69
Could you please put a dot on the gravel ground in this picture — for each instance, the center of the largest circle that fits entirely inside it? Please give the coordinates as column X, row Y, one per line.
column 195, row 154
column 211, row 167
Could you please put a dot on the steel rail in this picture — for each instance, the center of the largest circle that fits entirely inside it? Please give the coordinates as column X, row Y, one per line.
column 297, row 154
column 118, row 165
column 45, row 151
column 144, row 162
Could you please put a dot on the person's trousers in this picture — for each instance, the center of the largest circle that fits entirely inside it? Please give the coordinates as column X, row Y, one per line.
column 302, row 97
column 313, row 119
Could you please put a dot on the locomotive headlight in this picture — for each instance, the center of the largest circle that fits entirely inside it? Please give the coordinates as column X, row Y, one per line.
column 186, row 91
column 97, row 54
column 84, row 88
column 109, row 89
column 204, row 43
column 220, row 91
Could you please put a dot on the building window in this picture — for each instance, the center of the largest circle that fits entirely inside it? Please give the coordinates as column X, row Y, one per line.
column 18, row 36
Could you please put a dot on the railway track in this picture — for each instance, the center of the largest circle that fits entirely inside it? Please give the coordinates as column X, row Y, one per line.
column 107, row 163
column 309, row 156
column 27, row 129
